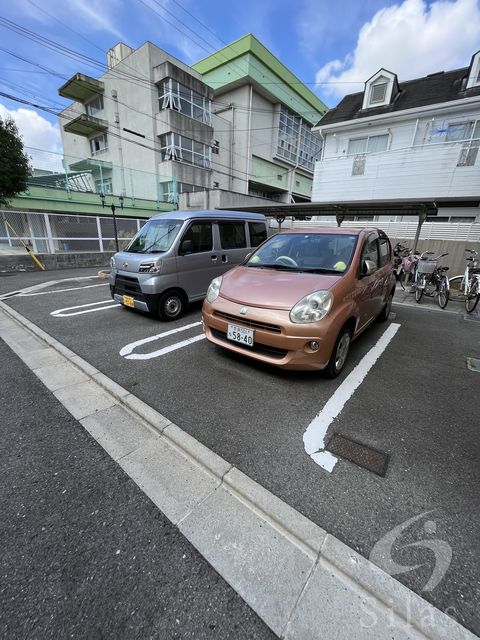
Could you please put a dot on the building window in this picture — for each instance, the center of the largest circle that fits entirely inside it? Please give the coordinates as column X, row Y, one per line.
column 296, row 142
column 170, row 190
column 98, row 144
column 215, row 146
column 177, row 147
column 94, row 106
column 469, row 134
column 368, row 144
column 173, row 95
column 378, row 92
column 104, row 186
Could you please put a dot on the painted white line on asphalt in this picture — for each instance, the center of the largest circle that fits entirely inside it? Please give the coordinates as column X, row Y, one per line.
column 46, row 293
column 127, row 350
column 314, row 436
column 106, row 304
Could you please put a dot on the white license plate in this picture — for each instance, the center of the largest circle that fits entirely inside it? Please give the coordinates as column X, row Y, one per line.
column 240, row 334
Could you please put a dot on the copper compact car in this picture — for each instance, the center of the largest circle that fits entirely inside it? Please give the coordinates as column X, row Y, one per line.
column 300, row 299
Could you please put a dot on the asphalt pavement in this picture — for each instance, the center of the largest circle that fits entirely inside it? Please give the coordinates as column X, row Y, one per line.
column 417, row 405
column 85, row 554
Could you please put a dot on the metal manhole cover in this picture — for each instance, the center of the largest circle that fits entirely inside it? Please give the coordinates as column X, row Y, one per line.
column 366, row 457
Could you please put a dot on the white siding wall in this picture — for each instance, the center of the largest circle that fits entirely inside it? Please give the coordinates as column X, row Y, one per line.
column 419, row 163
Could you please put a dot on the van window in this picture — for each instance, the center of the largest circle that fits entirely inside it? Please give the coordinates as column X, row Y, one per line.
column 258, row 233
column 200, row 233
column 232, row 234
column 385, row 255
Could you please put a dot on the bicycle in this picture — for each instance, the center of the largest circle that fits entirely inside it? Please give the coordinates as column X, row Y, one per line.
column 468, row 284
column 431, row 279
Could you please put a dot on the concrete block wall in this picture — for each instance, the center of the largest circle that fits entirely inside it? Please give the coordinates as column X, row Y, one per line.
column 24, row 262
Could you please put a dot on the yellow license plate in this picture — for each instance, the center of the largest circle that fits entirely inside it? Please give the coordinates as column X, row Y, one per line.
column 128, row 301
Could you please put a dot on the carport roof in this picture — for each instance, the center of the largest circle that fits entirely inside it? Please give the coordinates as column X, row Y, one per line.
column 410, row 207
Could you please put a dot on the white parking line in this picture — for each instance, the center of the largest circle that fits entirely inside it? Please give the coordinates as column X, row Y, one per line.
column 46, row 293
column 126, row 351
column 314, row 436
column 106, row 304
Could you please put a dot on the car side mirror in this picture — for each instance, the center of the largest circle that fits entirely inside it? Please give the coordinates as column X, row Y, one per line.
column 368, row 267
column 186, row 247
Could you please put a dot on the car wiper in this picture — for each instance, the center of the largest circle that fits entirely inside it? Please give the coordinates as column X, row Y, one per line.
column 278, row 267
column 322, row 270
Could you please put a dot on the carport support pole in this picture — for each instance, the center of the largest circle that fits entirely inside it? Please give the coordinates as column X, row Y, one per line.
column 421, row 219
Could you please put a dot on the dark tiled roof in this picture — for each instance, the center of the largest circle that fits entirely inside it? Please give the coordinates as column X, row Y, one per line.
column 433, row 89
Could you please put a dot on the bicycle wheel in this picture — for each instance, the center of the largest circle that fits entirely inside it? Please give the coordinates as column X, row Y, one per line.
column 443, row 292
column 420, row 288
column 472, row 297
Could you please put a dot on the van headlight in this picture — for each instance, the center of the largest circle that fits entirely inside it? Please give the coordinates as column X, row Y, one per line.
column 214, row 289
column 312, row 308
column 112, row 262
column 150, row 267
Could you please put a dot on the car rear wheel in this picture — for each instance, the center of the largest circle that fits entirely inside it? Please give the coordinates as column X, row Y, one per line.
column 171, row 306
column 339, row 354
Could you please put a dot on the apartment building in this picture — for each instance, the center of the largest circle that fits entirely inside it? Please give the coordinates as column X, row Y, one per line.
column 406, row 140
column 237, row 123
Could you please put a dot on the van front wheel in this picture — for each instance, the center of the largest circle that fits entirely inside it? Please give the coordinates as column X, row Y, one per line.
column 171, row 306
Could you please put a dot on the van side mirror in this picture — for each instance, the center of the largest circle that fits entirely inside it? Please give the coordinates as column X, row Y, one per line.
column 186, row 247
column 368, row 267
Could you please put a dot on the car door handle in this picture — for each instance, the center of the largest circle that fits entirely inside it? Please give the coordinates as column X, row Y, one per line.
column 224, row 259
column 213, row 258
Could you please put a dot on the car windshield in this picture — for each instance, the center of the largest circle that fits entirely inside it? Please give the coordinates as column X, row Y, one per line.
column 315, row 252
column 156, row 236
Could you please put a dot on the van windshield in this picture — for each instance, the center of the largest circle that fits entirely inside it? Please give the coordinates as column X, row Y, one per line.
column 315, row 252
column 157, row 236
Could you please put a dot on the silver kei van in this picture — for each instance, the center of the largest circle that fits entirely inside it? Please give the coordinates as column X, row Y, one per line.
column 174, row 257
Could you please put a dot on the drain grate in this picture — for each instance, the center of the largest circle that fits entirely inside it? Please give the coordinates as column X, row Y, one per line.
column 366, row 457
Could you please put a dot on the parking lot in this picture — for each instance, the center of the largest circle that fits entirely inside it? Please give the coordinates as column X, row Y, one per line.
column 415, row 401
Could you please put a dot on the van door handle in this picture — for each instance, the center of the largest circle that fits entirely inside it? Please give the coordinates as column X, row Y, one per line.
column 213, row 258
column 224, row 258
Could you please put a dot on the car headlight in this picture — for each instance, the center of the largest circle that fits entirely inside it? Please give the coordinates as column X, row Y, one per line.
column 112, row 262
column 150, row 267
column 312, row 308
column 214, row 289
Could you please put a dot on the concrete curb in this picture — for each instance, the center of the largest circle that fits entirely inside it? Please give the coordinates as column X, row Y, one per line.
column 300, row 580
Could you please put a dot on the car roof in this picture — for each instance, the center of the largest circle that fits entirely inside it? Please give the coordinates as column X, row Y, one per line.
column 210, row 213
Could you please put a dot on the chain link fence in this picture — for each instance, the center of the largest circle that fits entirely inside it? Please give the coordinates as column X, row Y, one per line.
column 55, row 233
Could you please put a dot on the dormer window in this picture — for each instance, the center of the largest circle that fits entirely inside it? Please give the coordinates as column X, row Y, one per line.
column 474, row 73
column 380, row 89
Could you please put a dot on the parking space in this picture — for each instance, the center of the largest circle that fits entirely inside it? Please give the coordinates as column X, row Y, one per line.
column 406, row 392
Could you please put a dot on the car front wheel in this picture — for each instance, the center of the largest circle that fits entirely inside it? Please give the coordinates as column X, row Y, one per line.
column 339, row 354
column 171, row 306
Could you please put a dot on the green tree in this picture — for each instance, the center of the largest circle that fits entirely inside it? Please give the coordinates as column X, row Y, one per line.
column 14, row 163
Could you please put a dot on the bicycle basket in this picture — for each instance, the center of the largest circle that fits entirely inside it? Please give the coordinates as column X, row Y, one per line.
column 427, row 266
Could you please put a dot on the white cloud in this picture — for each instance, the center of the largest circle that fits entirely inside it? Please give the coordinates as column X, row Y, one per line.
column 40, row 137
column 97, row 15
column 410, row 39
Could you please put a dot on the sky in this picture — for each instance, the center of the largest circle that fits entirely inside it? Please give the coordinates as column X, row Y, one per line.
column 331, row 46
